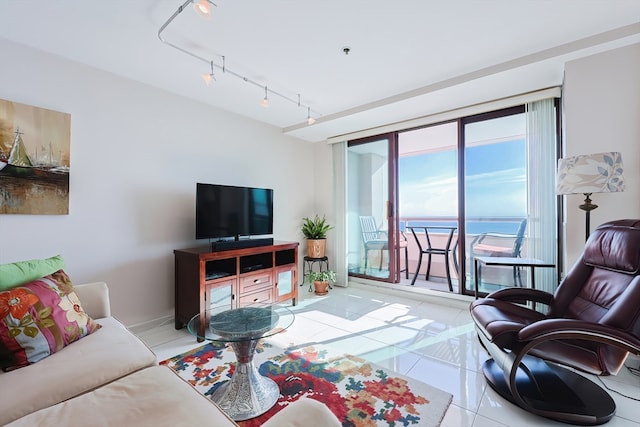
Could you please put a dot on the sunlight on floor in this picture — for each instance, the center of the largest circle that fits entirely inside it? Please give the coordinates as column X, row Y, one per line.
column 408, row 333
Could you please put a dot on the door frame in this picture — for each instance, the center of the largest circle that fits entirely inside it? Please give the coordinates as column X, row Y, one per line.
column 392, row 221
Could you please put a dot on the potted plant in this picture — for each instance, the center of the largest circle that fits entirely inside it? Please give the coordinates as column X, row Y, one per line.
column 321, row 280
column 315, row 231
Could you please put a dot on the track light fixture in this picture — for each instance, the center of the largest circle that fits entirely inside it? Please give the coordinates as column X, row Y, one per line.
column 209, row 77
column 310, row 120
column 203, row 8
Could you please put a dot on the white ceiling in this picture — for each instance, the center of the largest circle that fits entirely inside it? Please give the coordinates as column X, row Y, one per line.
column 408, row 58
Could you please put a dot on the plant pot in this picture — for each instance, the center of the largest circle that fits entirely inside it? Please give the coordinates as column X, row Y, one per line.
column 321, row 288
column 316, row 247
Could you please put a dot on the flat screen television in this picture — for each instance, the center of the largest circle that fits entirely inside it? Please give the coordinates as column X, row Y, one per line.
column 225, row 211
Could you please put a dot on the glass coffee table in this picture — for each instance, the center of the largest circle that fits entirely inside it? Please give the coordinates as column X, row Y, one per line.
column 247, row 394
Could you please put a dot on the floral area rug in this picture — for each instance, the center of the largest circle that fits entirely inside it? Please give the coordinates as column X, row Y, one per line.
column 359, row 393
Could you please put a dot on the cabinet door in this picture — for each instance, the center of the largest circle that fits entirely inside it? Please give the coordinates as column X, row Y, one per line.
column 286, row 288
column 219, row 296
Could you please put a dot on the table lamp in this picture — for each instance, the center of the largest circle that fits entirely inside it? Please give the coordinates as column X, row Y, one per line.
column 587, row 174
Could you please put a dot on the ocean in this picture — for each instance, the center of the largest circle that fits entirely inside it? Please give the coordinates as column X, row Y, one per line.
column 493, row 225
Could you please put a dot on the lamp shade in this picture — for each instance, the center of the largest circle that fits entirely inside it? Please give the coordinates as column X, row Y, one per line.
column 590, row 173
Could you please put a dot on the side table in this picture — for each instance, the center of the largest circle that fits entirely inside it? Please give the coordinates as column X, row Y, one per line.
column 510, row 262
column 247, row 393
column 308, row 263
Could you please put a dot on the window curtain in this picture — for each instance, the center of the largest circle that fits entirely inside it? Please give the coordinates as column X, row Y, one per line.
column 542, row 199
column 339, row 151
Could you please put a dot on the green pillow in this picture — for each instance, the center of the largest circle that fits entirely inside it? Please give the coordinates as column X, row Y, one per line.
column 18, row 273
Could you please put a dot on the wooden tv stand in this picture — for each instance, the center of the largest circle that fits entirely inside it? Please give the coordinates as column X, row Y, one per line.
column 233, row 278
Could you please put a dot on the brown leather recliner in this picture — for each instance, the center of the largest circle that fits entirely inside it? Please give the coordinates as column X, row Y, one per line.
column 592, row 323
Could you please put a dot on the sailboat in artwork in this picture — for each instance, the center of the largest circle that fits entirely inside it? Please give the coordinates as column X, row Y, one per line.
column 18, row 164
column 18, row 156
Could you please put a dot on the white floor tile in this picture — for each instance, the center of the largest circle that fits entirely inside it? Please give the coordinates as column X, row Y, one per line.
column 458, row 417
column 623, row 395
column 348, row 342
column 393, row 358
column 495, row 408
column 463, row 350
column 481, row 421
column 180, row 345
column 621, row 422
column 466, row 386
column 427, row 341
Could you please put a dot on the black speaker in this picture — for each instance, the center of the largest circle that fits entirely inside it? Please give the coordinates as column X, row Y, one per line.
column 227, row 245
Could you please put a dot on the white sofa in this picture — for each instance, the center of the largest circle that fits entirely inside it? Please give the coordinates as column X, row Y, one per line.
column 108, row 354
column 110, row 378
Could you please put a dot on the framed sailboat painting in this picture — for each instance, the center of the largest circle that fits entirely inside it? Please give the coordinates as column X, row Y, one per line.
column 34, row 160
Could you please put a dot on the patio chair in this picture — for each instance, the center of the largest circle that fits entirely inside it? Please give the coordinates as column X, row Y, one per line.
column 499, row 245
column 375, row 239
column 591, row 325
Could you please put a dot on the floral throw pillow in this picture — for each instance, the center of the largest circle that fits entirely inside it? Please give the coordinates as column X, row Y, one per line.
column 39, row 318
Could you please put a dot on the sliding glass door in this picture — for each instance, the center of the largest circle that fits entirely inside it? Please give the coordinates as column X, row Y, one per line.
column 510, row 201
column 428, row 194
column 489, row 177
column 371, row 201
column 495, row 177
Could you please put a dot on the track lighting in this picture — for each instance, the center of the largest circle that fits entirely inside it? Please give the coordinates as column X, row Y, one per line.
column 310, row 120
column 209, row 77
column 203, row 7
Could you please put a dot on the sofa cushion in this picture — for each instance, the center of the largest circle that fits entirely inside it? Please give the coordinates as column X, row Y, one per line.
column 302, row 413
column 153, row 397
column 40, row 318
column 110, row 353
column 21, row 272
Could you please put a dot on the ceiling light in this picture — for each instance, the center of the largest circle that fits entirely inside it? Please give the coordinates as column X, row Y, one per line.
column 209, row 77
column 310, row 120
column 203, row 8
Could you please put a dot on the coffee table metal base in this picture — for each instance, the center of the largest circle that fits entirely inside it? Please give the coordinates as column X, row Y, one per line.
column 247, row 394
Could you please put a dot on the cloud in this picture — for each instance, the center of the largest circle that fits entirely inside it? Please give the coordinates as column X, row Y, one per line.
column 493, row 194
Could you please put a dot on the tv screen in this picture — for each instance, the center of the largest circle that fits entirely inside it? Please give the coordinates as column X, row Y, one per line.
column 224, row 211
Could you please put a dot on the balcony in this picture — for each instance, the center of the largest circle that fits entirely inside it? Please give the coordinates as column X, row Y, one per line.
column 492, row 277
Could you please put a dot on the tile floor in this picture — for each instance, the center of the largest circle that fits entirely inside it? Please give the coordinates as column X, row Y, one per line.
column 411, row 334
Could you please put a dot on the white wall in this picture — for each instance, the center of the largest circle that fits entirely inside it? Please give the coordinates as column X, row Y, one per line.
column 323, row 192
column 602, row 113
column 136, row 155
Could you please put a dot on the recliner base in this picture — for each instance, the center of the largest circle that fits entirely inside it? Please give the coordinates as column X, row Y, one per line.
column 553, row 392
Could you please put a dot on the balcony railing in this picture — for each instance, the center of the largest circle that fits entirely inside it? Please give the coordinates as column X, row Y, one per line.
column 474, row 226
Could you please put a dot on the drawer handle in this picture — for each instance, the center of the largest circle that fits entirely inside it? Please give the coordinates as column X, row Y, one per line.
column 256, row 281
column 256, row 299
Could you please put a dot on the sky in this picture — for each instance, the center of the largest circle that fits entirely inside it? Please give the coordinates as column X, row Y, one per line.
column 496, row 182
